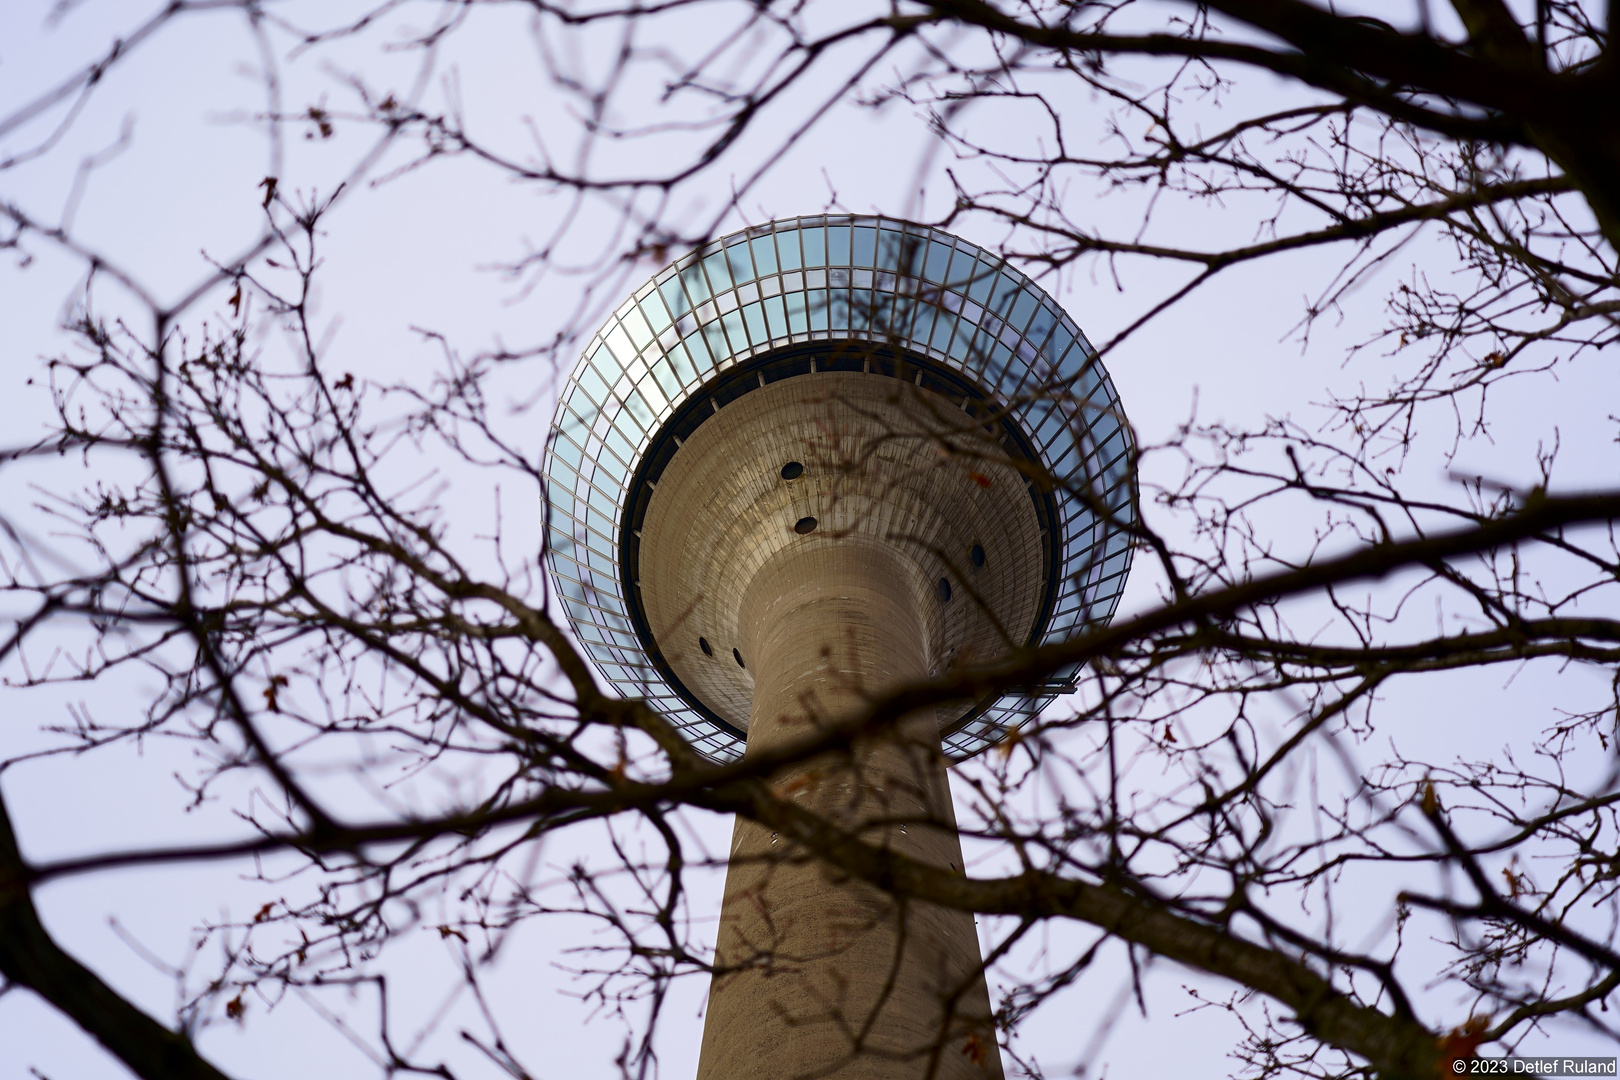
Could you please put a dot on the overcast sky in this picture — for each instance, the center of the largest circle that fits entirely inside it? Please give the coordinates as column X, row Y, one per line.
column 420, row 251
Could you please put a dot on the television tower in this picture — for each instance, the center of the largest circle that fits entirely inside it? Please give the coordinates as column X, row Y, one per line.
column 808, row 463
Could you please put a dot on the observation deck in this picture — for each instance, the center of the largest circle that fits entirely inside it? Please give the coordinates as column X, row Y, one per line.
column 835, row 380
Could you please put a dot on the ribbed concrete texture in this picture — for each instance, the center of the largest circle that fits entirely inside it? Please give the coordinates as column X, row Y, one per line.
column 822, row 976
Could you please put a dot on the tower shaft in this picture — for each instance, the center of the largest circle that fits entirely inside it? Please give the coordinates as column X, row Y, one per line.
column 808, row 461
column 823, row 976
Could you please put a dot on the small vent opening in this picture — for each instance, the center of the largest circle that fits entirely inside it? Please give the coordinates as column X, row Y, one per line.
column 977, row 555
column 944, row 588
column 703, row 643
column 737, row 656
column 792, row 470
column 804, row 526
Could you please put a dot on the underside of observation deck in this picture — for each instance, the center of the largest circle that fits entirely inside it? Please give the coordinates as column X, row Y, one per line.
column 829, row 447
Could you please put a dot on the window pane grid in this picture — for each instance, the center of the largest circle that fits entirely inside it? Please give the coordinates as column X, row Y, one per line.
column 753, row 292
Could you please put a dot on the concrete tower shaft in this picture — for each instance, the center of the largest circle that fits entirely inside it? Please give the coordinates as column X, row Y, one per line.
column 829, row 977
column 801, row 464
column 792, row 561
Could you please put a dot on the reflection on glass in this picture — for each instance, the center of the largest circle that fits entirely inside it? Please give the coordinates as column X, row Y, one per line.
column 905, row 284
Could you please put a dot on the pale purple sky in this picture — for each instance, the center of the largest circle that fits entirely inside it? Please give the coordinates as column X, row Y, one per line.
column 417, row 251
